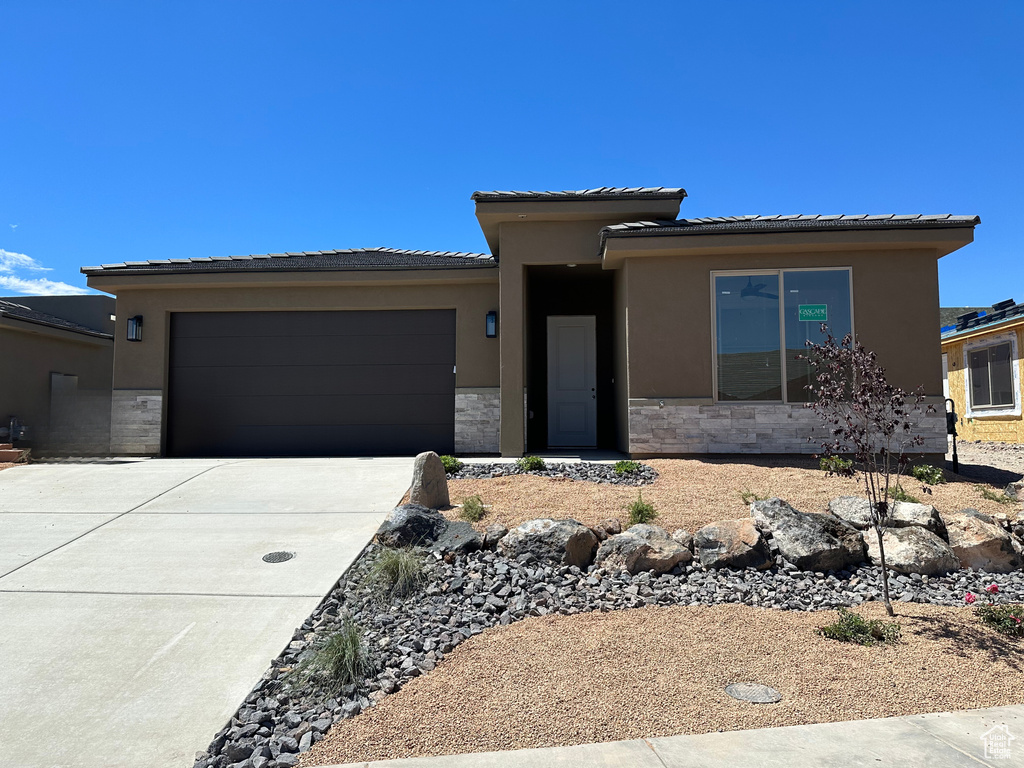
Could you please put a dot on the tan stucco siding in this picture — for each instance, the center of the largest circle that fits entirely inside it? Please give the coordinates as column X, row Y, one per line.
column 972, row 426
column 670, row 333
column 143, row 366
column 30, row 355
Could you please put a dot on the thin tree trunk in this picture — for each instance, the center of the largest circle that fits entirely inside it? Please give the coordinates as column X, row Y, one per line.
column 885, row 572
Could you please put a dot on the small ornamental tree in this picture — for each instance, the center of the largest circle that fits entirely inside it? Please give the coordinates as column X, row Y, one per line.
column 869, row 420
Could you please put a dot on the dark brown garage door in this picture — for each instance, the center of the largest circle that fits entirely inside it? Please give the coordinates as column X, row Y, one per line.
column 311, row 383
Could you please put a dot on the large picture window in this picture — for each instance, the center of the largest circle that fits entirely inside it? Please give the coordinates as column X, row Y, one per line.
column 992, row 376
column 762, row 323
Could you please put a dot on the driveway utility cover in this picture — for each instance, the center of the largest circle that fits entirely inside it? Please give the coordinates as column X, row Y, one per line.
column 138, row 610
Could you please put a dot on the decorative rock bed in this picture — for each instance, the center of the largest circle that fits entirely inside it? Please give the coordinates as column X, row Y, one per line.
column 583, row 470
column 536, row 570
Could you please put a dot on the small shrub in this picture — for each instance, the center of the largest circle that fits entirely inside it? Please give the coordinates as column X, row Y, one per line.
column 626, row 467
column 641, row 511
column 749, row 496
column 898, row 494
column 341, row 660
column 988, row 493
column 835, row 465
column 928, row 474
column 451, row 464
column 1005, row 618
column 396, row 572
column 851, row 628
column 531, row 464
column 472, row 509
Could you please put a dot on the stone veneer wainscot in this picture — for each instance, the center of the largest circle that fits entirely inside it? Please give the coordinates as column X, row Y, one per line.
column 135, row 419
column 477, row 420
column 680, row 426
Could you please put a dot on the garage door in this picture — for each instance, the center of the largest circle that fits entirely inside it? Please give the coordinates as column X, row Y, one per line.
column 311, row 383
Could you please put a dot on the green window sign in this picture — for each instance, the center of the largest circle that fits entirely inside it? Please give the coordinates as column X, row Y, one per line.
column 812, row 313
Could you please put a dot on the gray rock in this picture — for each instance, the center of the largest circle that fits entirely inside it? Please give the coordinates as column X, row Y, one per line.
column 732, row 544
column 980, row 543
column 684, row 537
column 853, row 509
column 810, row 542
column 411, row 525
column 913, row 549
column 493, row 535
column 856, row 511
column 1015, row 490
column 633, row 553
column 458, row 536
column 287, row 760
column 755, row 693
column 649, row 532
column 429, row 482
column 560, row 541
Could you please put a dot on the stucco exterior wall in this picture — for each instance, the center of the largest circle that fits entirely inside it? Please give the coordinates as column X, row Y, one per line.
column 1006, row 428
column 30, row 355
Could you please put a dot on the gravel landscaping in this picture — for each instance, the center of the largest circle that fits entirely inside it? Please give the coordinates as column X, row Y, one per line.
column 583, row 471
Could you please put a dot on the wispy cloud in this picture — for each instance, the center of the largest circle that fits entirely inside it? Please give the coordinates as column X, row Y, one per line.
column 12, row 263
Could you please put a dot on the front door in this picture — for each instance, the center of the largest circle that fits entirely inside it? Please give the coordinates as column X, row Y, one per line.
column 572, row 381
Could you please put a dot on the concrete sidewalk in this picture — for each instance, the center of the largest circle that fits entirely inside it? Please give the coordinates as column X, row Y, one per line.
column 947, row 740
column 137, row 610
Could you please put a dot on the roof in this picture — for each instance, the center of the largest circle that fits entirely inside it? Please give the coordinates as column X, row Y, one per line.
column 21, row 312
column 348, row 259
column 948, row 315
column 975, row 319
column 599, row 193
column 790, row 223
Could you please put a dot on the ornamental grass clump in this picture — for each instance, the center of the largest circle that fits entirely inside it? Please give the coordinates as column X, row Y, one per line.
column 627, row 467
column 851, row 628
column 472, row 509
column 1007, row 618
column 869, row 420
column 341, row 660
column 990, row 495
column 531, row 464
column 451, row 465
column 396, row 572
column 640, row 511
column 751, row 496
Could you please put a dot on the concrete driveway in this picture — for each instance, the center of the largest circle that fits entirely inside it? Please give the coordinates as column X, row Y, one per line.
column 136, row 611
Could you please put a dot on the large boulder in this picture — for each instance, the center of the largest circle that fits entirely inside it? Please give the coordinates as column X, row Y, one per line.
column 981, row 543
column 560, row 541
column 458, row 537
column 429, row 482
column 810, row 542
column 607, row 527
column 411, row 525
column 1015, row 490
column 732, row 544
column 684, row 537
column 649, row 532
column 494, row 533
column 635, row 553
column 856, row 511
column 913, row 549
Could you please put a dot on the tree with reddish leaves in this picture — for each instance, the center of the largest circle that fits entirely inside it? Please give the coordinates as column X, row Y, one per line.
column 868, row 420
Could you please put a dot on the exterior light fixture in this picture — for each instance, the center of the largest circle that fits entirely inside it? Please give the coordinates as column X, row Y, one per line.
column 135, row 328
column 492, row 325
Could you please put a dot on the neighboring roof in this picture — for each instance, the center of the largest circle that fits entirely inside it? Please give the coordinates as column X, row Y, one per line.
column 790, row 223
column 599, row 193
column 348, row 259
column 975, row 320
column 21, row 312
column 948, row 315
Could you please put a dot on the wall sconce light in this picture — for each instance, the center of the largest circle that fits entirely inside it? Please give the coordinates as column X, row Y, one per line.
column 135, row 328
column 492, row 325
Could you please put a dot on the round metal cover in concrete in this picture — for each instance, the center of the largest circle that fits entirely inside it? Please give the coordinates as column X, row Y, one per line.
column 753, row 692
column 277, row 557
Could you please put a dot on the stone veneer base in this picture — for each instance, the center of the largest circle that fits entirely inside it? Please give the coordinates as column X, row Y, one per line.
column 135, row 422
column 477, row 420
column 743, row 428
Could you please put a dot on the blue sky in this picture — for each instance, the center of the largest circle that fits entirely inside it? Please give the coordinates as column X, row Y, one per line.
column 136, row 130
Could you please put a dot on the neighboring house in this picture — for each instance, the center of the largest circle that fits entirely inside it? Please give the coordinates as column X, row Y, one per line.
column 982, row 372
column 56, row 361
column 597, row 320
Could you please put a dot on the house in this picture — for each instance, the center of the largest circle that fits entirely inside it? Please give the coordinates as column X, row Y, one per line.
column 57, row 357
column 982, row 372
column 598, row 319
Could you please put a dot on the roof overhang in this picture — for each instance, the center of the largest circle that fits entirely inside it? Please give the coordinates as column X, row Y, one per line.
column 982, row 330
column 617, row 247
column 491, row 213
column 24, row 325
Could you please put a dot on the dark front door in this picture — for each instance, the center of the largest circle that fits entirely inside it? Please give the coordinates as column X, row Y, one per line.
column 346, row 383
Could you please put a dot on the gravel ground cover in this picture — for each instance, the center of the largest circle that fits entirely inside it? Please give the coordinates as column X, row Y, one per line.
column 583, row 470
column 995, row 463
column 690, row 493
column 464, row 597
column 662, row 671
